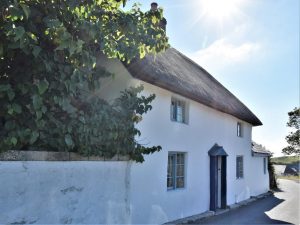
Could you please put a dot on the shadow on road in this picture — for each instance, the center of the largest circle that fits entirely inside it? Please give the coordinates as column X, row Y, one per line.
column 254, row 213
column 277, row 190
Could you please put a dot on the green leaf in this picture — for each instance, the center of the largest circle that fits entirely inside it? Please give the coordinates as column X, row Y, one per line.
column 43, row 86
column 17, row 108
column 34, row 137
column 10, row 110
column 32, row 36
column 10, row 94
column 23, row 88
column 15, row 13
column 44, row 109
column 39, row 114
column 4, row 87
column 14, row 141
column 19, row 32
column 37, row 102
column 26, row 10
column 36, row 51
column 64, row 44
column 9, row 125
column 69, row 141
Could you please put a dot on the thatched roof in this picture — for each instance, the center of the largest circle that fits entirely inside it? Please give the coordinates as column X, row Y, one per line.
column 259, row 150
column 175, row 72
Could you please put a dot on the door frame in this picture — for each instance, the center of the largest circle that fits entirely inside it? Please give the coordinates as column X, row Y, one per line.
column 218, row 153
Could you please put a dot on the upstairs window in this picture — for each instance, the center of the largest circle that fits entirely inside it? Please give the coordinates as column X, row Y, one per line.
column 239, row 129
column 178, row 110
column 176, row 170
column 265, row 165
column 239, row 167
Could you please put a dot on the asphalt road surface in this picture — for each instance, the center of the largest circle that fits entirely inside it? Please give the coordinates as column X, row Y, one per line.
column 282, row 208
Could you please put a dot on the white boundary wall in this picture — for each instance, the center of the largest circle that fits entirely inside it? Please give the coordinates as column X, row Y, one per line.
column 64, row 192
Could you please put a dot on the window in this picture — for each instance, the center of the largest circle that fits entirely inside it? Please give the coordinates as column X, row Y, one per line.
column 239, row 167
column 178, row 110
column 239, row 129
column 176, row 164
column 265, row 165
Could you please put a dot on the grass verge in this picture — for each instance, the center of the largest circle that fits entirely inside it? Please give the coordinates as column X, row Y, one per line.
column 295, row 178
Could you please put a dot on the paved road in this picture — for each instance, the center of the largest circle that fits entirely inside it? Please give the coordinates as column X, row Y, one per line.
column 282, row 208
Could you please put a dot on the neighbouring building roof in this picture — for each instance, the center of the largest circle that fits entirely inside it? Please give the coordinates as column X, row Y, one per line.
column 293, row 167
column 259, row 150
column 175, row 72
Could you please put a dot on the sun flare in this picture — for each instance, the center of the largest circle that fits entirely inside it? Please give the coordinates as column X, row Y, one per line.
column 219, row 9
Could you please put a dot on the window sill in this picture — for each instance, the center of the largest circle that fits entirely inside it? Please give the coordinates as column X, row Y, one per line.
column 176, row 189
column 179, row 122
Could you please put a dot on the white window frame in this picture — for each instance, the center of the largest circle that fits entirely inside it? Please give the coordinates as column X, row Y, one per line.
column 179, row 110
column 239, row 171
column 173, row 166
column 239, row 129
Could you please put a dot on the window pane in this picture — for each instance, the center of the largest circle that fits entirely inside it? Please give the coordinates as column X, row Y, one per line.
column 179, row 182
column 171, row 165
column 173, row 110
column 180, row 158
column 238, row 129
column 239, row 167
column 170, row 182
column 179, row 113
column 242, row 167
column 180, row 170
column 183, row 112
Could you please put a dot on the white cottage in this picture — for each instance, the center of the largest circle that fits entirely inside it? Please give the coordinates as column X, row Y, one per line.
column 207, row 161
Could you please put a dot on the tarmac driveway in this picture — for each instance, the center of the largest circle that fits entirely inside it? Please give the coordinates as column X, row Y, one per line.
column 282, row 208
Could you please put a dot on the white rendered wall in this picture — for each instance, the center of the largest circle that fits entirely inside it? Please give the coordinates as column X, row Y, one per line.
column 151, row 202
column 206, row 127
column 64, row 192
column 259, row 182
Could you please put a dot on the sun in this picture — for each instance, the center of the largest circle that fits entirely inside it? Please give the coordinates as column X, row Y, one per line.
column 219, row 9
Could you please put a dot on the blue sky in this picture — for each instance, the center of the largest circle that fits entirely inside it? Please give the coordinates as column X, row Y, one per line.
column 250, row 46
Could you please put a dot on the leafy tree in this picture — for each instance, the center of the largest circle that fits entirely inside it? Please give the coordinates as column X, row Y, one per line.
column 49, row 75
column 293, row 139
column 272, row 176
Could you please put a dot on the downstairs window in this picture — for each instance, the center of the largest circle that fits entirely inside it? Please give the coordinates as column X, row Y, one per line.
column 176, row 170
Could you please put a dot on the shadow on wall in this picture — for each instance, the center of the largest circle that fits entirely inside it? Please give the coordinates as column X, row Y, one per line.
column 254, row 213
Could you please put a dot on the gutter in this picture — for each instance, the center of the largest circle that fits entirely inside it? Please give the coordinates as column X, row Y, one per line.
column 260, row 154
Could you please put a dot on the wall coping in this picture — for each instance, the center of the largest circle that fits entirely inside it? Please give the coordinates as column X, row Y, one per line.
column 16, row 155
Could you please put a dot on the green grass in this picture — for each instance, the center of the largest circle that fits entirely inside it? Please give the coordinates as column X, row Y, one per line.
column 285, row 160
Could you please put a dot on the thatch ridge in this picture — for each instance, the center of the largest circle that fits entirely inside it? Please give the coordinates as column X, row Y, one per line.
column 177, row 73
